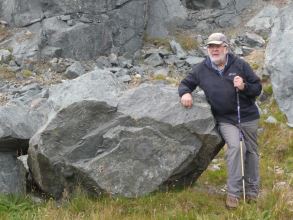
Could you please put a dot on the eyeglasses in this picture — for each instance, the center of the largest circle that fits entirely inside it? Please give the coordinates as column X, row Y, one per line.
column 216, row 46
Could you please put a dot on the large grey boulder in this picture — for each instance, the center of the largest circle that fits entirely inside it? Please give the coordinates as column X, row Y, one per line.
column 279, row 61
column 145, row 143
column 164, row 16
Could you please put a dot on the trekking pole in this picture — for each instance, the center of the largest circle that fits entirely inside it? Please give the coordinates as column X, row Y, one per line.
column 241, row 142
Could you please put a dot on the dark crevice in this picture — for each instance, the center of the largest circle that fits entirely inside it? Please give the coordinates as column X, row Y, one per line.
column 14, row 145
column 202, row 4
column 123, row 4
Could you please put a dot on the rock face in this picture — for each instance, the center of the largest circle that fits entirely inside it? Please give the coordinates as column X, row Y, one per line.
column 164, row 15
column 279, row 62
column 105, row 25
column 209, row 16
column 263, row 21
column 145, row 143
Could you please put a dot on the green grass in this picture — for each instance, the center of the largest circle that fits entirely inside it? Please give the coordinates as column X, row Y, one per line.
column 268, row 89
column 201, row 201
column 27, row 73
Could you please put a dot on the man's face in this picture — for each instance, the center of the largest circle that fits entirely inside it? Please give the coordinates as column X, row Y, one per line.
column 217, row 53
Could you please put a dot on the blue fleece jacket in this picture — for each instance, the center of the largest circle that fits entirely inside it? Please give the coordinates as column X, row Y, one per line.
column 220, row 91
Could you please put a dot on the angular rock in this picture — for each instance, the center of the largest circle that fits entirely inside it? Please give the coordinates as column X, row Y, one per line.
column 12, row 174
column 271, row 120
column 5, row 56
column 103, row 62
column 192, row 60
column 253, row 40
column 154, row 60
column 145, row 143
column 178, row 50
column 75, row 70
column 279, row 61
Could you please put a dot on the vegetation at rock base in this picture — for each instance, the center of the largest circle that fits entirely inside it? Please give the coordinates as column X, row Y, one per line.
column 4, row 33
column 158, row 41
column 204, row 200
column 187, row 42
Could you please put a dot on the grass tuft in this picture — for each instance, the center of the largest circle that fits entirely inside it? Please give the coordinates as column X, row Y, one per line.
column 158, row 42
column 187, row 42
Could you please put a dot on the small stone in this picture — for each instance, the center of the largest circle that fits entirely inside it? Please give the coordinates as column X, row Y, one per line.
column 138, row 76
column 271, row 120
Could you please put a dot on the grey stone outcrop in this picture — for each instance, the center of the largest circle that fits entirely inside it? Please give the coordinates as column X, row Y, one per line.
column 279, row 61
column 263, row 21
column 164, row 16
column 209, row 16
column 79, row 30
column 145, row 143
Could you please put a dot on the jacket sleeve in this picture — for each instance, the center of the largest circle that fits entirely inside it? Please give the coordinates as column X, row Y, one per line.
column 189, row 83
column 253, row 85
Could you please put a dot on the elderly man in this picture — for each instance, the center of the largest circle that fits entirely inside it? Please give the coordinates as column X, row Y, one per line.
column 220, row 75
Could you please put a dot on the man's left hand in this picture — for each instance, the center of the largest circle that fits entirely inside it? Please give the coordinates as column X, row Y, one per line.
column 238, row 82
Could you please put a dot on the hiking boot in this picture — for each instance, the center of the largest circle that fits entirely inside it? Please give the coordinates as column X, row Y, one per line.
column 251, row 198
column 232, row 202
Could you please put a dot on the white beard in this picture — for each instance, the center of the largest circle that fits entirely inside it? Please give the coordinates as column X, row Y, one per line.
column 219, row 60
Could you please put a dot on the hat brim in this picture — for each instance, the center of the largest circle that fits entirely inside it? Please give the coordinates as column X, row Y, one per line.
column 215, row 42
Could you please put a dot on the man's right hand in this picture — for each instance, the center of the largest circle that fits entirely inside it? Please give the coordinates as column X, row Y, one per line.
column 186, row 100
